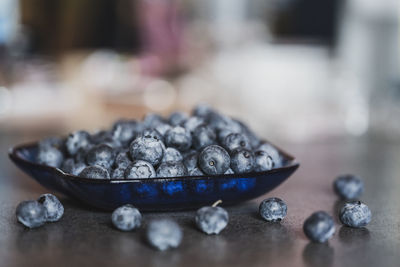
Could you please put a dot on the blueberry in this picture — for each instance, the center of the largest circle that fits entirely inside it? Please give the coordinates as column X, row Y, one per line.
column 151, row 120
column 32, row 214
column 229, row 171
column 101, row 155
column 122, row 160
column 140, row 169
column 54, row 208
column 214, row 160
column 153, row 133
column 222, row 134
column 172, row 154
column 50, row 156
column 272, row 152
column 319, row 227
column 251, row 136
column 273, row 209
column 190, row 160
column 348, row 186
column 126, row 218
column 234, row 141
column 76, row 141
column 211, row 220
column 164, row 234
column 171, row 169
column 95, row 172
column 203, row 136
column 125, row 131
column 196, row 172
column 177, row 118
column 220, row 122
column 202, row 110
column 54, row 142
column 355, row 214
column 147, row 149
column 162, row 128
column 192, row 123
column 263, row 162
column 69, row 166
column 80, row 156
column 100, row 137
column 242, row 160
column 179, row 138
column 119, row 172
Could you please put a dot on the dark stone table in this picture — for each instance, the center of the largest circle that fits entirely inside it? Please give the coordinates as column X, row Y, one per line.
column 84, row 237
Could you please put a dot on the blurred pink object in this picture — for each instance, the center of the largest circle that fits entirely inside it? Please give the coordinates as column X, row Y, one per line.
column 161, row 30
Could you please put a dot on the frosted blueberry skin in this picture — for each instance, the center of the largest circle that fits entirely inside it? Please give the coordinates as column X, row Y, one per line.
column 203, row 136
column 54, row 142
column 32, row 214
column 242, row 160
column 355, row 214
column 163, row 128
column 101, row 155
column 202, row 110
column 171, row 169
column 54, row 208
column 348, row 186
column 147, row 149
column 179, row 138
column 69, row 166
column 164, row 234
column 95, row 172
column 196, row 172
column 153, row 133
column 192, row 123
column 273, row 209
column 229, row 171
column 118, row 173
column 126, row 218
column 236, row 140
column 272, row 152
column 177, row 118
column 214, row 160
column 125, row 131
column 172, row 154
column 50, row 156
column 151, row 120
column 190, row 160
column 140, row 169
column 319, row 227
column 122, row 160
column 76, row 141
column 262, row 161
column 211, row 220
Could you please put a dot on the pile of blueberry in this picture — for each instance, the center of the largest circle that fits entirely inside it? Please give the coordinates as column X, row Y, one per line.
column 205, row 143
column 166, row 234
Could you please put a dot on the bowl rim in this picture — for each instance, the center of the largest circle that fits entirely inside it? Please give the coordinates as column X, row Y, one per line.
column 15, row 157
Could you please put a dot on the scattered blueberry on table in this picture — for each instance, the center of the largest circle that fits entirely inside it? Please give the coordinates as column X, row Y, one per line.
column 348, row 186
column 355, row 214
column 273, row 209
column 319, row 227
column 212, row 220
column 164, row 234
column 31, row 213
column 203, row 143
column 53, row 207
column 126, row 218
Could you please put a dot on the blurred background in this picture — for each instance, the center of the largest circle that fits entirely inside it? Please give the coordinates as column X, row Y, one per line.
column 295, row 70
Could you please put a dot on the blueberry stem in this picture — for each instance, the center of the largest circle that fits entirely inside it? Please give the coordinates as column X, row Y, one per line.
column 216, row 203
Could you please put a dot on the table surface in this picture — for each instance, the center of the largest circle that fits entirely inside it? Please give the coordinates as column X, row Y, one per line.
column 85, row 237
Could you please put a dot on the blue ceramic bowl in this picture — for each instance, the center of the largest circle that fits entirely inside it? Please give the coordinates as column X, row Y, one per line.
column 154, row 194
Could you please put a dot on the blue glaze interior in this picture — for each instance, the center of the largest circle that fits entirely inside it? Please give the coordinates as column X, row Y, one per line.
column 155, row 194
